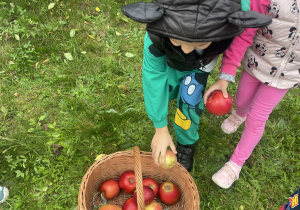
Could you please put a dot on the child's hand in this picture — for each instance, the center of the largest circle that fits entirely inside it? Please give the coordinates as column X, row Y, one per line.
column 221, row 84
column 160, row 142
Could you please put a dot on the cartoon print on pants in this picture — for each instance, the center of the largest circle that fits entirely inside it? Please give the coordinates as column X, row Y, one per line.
column 266, row 32
column 281, row 53
column 294, row 8
column 252, row 64
column 191, row 94
column 273, row 10
column 261, row 48
column 273, row 71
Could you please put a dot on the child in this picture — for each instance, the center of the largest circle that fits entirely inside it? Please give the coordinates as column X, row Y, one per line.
column 181, row 47
column 3, row 194
column 271, row 68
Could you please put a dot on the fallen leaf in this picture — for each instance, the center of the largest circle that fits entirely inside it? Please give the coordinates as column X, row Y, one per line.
column 72, row 33
column 129, row 55
column 51, row 5
column 68, row 56
column 17, row 37
column 36, row 65
column 91, row 36
column 99, row 157
column 97, row 9
column 46, row 61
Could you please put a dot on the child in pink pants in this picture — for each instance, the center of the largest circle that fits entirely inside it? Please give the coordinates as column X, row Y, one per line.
column 255, row 101
column 271, row 67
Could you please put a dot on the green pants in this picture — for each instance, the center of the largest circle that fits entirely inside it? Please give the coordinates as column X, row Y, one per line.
column 188, row 87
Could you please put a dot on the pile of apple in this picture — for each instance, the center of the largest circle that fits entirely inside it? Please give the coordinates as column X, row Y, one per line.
column 167, row 192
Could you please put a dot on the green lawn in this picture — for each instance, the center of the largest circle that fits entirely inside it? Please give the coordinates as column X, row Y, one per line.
column 65, row 66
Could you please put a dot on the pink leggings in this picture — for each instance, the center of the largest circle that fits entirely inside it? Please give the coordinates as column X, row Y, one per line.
column 255, row 100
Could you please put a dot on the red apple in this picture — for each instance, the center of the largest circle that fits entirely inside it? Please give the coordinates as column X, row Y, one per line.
column 130, row 204
column 170, row 160
column 109, row 207
column 109, row 189
column 217, row 104
column 151, row 183
column 127, row 181
column 154, row 206
column 168, row 193
column 148, row 195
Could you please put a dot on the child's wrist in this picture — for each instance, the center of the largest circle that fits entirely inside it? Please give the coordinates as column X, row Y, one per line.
column 162, row 130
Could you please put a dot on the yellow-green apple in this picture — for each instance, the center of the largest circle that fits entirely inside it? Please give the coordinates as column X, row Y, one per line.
column 130, row 204
column 109, row 207
column 168, row 193
column 217, row 104
column 109, row 189
column 153, row 206
column 151, row 183
column 127, row 181
column 148, row 195
column 170, row 160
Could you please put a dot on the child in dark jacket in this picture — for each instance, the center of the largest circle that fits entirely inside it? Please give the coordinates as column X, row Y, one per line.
column 181, row 47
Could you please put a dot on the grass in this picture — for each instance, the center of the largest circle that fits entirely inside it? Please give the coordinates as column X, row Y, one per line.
column 65, row 67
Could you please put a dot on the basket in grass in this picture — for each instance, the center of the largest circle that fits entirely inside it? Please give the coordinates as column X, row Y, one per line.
column 113, row 165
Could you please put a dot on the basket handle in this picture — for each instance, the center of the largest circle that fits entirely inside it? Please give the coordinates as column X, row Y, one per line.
column 138, row 178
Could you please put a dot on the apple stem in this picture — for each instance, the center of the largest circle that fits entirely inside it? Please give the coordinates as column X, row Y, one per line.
column 99, row 205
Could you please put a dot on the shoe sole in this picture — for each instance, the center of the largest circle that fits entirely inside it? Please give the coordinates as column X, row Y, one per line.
column 219, row 184
column 226, row 131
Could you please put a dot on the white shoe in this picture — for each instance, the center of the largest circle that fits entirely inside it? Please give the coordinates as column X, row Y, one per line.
column 227, row 175
column 231, row 124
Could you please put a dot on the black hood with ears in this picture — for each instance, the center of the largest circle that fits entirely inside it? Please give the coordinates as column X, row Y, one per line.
column 195, row 20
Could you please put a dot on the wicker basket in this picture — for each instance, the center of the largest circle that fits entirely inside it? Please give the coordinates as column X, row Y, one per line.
column 113, row 165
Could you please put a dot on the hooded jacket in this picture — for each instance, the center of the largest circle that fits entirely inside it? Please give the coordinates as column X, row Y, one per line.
column 274, row 57
column 216, row 21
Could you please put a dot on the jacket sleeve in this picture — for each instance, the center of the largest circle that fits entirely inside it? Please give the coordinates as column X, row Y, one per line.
column 155, row 84
column 233, row 56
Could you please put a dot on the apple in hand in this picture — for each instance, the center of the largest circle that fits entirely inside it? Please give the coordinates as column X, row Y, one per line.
column 130, row 204
column 148, row 195
column 217, row 104
column 168, row 193
column 109, row 207
column 109, row 189
column 153, row 206
column 127, row 181
column 151, row 183
column 170, row 160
